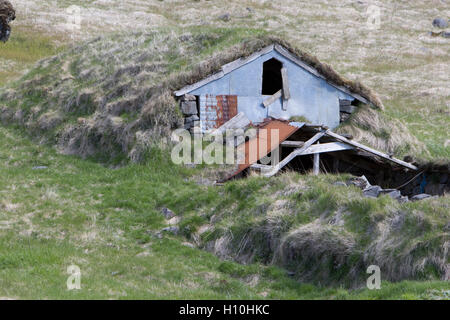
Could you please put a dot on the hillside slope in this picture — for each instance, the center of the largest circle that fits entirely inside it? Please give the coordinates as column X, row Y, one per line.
column 112, row 96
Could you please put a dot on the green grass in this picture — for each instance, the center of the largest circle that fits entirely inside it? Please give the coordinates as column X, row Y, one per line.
column 105, row 220
column 24, row 48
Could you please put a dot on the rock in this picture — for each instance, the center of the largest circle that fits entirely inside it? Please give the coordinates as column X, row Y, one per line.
column 225, row 17
column 175, row 220
column 360, row 182
column 173, row 230
column 403, row 199
column 420, row 197
column 191, row 119
column 168, row 214
column 393, row 193
column 189, row 107
column 340, row 183
column 440, row 23
column 372, row 191
column 39, row 168
column 188, row 244
column 445, row 34
column 188, row 97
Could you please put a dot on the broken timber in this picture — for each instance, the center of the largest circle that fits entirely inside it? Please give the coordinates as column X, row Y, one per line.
column 314, row 147
column 272, row 99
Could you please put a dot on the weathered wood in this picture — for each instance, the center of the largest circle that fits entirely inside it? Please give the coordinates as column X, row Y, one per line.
column 239, row 121
column 327, row 147
column 272, row 98
column 286, row 91
column 295, row 144
column 370, row 150
column 316, row 163
column 294, row 154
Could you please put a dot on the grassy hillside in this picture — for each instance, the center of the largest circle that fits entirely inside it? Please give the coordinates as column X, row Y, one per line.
column 106, row 221
column 408, row 68
column 298, row 236
column 112, row 97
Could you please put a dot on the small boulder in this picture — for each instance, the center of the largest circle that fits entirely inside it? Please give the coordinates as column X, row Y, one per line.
column 340, row 183
column 372, row 191
column 420, row 197
column 393, row 193
column 440, row 23
column 167, row 213
column 360, row 182
column 39, row 168
column 225, row 17
column 173, row 230
column 189, row 108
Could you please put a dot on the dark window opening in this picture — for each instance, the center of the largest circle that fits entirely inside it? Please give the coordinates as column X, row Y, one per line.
column 272, row 81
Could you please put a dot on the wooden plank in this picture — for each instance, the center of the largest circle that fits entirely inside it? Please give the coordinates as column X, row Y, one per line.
column 370, row 150
column 229, row 67
column 239, row 121
column 272, row 99
column 316, row 163
column 295, row 144
column 327, row 147
column 286, row 91
column 199, row 84
column 294, row 154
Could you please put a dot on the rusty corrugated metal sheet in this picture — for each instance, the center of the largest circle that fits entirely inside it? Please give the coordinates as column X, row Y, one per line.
column 271, row 140
column 219, row 109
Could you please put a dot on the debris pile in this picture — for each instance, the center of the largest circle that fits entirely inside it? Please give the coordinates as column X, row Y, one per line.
column 370, row 191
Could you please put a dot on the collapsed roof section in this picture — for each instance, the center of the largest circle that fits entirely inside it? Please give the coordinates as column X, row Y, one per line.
column 330, row 152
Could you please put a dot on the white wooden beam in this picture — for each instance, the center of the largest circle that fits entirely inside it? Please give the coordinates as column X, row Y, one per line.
column 316, row 163
column 286, row 91
column 294, row 154
column 370, row 150
column 327, row 147
column 294, row 144
column 272, row 99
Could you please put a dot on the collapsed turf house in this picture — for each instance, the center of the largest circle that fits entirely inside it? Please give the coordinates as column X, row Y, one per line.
column 271, row 89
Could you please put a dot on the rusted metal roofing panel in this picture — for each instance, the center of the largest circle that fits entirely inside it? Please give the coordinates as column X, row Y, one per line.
column 218, row 110
column 269, row 136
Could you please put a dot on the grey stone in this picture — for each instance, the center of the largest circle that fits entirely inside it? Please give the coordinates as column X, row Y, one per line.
column 340, row 183
column 393, row 193
column 167, row 213
column 372, row 191
column 403, row 199
column 173, row 230
column 188, row 97
column 360, row 182
column 440, row 23
column 420, row 196
column 225, row 17
column 189, row 107
column 445, row 34
column 39, row 168
column 191, row 118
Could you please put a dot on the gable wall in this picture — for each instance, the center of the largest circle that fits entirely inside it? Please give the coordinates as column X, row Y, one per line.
column 311, row 97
